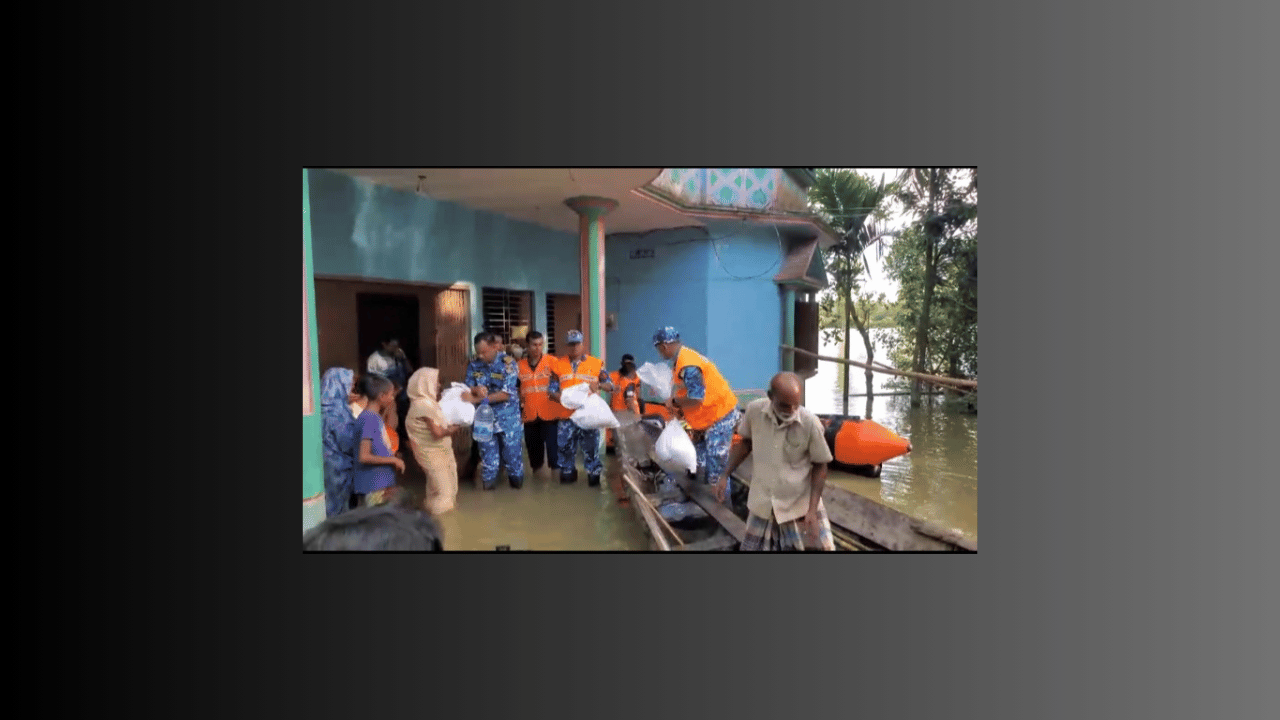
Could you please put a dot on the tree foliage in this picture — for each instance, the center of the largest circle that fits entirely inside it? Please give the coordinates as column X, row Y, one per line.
column 935, row 263
column 850, row 203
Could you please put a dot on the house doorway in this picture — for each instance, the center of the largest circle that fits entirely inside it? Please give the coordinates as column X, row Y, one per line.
column 379, row 316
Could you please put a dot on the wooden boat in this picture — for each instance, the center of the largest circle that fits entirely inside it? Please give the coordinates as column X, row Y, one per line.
column 860, row 523
column 687, row 517
column 682, row 516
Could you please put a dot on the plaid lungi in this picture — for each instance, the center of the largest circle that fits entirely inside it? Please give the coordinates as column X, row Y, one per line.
column 770, row 536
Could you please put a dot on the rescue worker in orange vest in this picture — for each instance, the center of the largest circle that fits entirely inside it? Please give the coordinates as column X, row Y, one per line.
column 578, row 367
column 704, row 399
column 626, row 394
column 541, row 416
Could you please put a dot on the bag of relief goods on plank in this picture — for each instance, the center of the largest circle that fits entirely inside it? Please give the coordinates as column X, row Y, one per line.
column 657, row 378
column 595, row 414
column 575, row 397
column 674, row 451
column 456, row 410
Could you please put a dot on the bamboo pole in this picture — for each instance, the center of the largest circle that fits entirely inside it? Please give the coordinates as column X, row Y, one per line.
column 936, row 379
column 640, row 495
column 948, row 387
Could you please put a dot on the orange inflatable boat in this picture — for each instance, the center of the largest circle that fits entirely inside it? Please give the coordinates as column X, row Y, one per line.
column 862, row 446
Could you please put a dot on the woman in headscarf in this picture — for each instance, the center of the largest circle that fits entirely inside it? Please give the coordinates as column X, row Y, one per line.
column 431, row 438
column 339, row 436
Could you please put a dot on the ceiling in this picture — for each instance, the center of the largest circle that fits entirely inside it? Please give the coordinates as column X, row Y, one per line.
column 537, row 195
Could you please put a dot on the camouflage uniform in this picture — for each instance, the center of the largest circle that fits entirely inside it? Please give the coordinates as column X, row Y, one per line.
column 715, row 442
column 569, row 436
column 508, row 432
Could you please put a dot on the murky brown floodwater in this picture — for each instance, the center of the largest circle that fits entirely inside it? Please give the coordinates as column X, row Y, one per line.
column 937, row 481
column 543, row 515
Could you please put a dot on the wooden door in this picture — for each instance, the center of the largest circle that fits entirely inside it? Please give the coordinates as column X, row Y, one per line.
column 452, row 334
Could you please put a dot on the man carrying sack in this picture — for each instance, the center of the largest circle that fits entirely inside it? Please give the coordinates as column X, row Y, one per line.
column 703, row 398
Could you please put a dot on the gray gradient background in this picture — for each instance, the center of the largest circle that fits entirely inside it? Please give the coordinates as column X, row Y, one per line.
column 1129, row 159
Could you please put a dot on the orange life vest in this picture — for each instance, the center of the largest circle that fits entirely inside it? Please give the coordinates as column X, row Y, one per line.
column 589, row 368
column 534, row 385
column 620, row 385
column 719, row 400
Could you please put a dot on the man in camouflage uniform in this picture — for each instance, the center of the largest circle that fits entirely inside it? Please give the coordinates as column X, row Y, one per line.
column 704, row 399
column 493, row 375
column 578, row 367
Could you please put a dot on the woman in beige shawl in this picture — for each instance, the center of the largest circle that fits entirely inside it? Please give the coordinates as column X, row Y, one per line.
column 431, row 439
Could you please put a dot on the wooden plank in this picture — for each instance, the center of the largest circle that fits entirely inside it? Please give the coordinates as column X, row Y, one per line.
column 656, row 534
column 948, row 536
column 701, row 494
column 714, row 543
column 878, row 523
column 885, row 526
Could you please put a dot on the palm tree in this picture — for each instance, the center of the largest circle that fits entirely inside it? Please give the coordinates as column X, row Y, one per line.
column 851, row 203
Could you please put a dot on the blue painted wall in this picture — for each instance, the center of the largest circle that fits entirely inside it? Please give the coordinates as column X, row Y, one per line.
column 364, row 230
column 371, row 231
column 688, row 283
column 647, row 293
column 744, row 304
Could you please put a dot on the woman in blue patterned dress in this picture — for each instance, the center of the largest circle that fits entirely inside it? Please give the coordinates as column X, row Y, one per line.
column 340, row 437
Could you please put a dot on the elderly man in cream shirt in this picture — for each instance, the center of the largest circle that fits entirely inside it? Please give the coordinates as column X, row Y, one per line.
column 789, row 457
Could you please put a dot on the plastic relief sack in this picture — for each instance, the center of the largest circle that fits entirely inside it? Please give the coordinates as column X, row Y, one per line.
column 674, row 451
column 575, row 396
column 456, row 410
column 594, row 414
column 656, row 377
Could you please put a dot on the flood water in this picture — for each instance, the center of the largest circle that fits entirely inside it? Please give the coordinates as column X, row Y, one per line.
column 544, row 515
column 937, row 481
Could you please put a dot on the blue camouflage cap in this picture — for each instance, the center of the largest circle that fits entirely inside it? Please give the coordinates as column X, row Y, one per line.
column 574, row 336
column 666, row 335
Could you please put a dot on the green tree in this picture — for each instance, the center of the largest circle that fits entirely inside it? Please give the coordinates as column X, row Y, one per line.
column 850, row 203
column 935, row 264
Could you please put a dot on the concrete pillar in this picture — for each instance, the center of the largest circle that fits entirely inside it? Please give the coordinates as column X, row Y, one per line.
column 789, row 327
column 313, row 510
column 591, row 212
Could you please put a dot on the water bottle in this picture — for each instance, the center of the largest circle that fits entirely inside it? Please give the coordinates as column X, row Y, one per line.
column 482, row 428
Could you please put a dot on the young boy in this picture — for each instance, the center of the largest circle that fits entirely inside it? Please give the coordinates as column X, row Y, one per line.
column 376, row 464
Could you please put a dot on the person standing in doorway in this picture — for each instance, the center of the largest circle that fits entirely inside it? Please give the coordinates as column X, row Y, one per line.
column 789, row 456
column 390, row 361
column 703, row 397
column 492, row 376
column 574, row 368
column 541, row 416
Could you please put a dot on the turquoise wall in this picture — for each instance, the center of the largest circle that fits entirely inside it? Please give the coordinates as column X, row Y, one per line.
column 371, row 231
column 745, row 304
column 647, row 293
column 736, row 323
column 312, row 455
column 365, row 230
